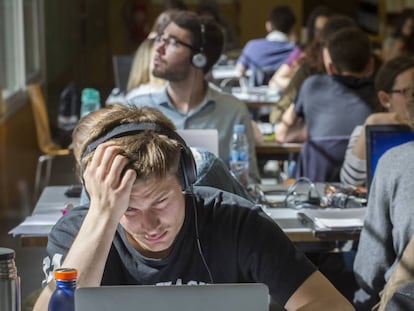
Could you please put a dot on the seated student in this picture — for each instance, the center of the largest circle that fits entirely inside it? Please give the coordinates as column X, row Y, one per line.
column 389, row 222
column 333, row 104
column 310, row 64
column 147, row 224
column 314, row 25
column 268, row 54
column 392, row 83
column 186, row 49
column 211, row 170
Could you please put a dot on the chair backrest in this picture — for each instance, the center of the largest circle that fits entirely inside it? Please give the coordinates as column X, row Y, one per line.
column 261, row 76
column 41, row 118
column 321, row 158
column 122, row 66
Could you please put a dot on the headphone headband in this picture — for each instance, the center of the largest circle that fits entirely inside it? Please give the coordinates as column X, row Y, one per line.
column 203, row 38
column 130, row 129
column 187, row 163
column 199, row 59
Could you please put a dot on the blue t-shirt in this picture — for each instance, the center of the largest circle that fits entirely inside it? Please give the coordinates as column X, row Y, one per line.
column 265, row 54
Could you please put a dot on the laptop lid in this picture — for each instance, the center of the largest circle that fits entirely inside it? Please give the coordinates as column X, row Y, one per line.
column 204, row 138
column 380, row 138
column 217, row 297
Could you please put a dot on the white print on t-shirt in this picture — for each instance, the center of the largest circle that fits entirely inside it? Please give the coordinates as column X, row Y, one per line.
column 179, row 282
column 48, row 267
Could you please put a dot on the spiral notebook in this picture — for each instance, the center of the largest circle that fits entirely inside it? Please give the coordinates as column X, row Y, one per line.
column 217, row 297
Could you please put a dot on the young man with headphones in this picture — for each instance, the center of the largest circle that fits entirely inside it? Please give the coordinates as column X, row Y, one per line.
column 186, row 49
column 147, row 224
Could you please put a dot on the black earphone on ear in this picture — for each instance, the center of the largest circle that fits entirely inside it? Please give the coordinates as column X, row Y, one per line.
column 199, row 59
column 187, row 162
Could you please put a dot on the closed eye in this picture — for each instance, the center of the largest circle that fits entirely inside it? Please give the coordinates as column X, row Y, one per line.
column 131, row 210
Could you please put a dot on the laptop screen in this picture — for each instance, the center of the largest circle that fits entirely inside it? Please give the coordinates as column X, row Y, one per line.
column 380, row 138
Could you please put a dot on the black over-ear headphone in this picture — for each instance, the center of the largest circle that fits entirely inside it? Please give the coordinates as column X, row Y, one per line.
column 199, row 59
column 187, row 162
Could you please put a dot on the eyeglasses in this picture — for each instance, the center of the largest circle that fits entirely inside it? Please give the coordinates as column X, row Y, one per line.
column 403, row 91
column 172, row 41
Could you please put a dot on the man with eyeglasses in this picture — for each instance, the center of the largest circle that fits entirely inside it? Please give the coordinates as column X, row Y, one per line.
column 185, row 50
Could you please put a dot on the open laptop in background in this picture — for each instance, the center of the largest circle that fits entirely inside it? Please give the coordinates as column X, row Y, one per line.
column 204, row 138
column 380, row 138
column 217, row 297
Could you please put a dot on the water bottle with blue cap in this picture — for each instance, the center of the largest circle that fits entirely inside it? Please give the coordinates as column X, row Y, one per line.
column 239, row 154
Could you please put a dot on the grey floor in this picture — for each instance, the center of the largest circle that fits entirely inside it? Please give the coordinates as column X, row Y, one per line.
column 29, row 259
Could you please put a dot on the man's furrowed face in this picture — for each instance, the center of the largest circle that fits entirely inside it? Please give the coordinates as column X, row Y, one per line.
column 173, row 52
column 155, row 215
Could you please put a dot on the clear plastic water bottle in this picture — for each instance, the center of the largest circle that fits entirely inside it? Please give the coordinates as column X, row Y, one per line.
column 9, row 281
column 63, row 298
column 239, row 154
column 90, row 101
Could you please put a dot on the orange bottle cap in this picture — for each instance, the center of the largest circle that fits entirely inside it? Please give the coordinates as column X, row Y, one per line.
column 65, row 274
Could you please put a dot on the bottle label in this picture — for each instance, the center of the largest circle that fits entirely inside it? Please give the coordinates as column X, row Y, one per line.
column 239, row 165
column 237, row 155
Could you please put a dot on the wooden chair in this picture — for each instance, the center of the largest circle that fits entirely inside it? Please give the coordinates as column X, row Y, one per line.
column 45, row 142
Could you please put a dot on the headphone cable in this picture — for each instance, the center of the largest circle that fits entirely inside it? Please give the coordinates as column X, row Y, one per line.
column 200, row 250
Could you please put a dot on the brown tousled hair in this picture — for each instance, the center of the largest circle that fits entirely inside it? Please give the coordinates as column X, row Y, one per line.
column 150, row 154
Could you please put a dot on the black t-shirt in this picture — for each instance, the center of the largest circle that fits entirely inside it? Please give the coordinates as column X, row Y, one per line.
column 239, row 242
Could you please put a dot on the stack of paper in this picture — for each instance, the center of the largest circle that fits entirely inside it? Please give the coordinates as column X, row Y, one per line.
column 335, row 218
column 36, row 225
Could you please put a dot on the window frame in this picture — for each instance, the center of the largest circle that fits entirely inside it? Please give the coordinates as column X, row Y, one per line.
column 17, row 97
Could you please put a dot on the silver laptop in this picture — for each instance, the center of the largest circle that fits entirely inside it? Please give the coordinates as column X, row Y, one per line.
column 217, row 297
column 204, row 138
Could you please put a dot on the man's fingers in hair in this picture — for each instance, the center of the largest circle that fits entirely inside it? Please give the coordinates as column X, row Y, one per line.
column 117, row 167
column 105, row 158
column 128, row 179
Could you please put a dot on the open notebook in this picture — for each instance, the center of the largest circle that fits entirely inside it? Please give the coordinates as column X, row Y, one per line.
column 380, row 138
column 217, row 297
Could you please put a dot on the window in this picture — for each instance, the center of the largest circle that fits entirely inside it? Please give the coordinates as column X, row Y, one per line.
column 32, row 42
column 21, row 37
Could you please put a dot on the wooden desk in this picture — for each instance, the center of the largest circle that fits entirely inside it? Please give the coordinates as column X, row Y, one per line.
column 275, row 148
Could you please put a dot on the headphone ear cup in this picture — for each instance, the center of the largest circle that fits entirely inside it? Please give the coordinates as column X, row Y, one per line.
column 199, row 60
column 188, row 167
